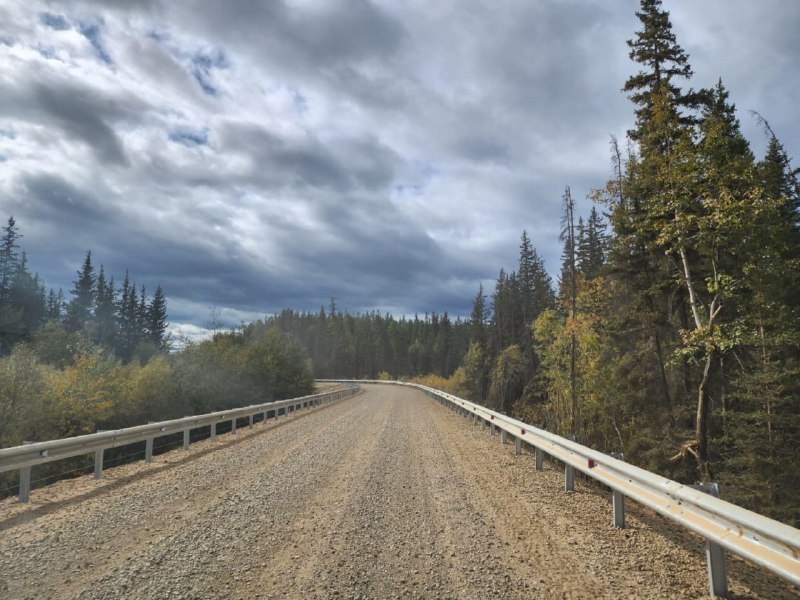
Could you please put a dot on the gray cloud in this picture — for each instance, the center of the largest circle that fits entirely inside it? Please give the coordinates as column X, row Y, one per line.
column 257, row 155
column 318, row 36
column 57, row 22
column 80, row 113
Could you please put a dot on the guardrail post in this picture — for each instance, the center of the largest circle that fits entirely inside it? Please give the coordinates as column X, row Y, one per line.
column 98, row 460
column 98, row 463
column 518, row 446
column 148, row 450
column 25, row 481
column 569, row 478
column 250, row 421
column 715, row 554
column 538, row 458
column 502, row 436
column 491, row 428
column 186, row 439
column 483, row 424
column 213, row 432
column 717, row 571
column 618, row 499
column 618, row 508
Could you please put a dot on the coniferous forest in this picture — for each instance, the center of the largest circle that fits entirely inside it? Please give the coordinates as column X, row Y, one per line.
column 671, row 333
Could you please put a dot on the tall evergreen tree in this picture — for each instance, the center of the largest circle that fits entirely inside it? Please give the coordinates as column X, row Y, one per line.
column 55, row 305
column 478, row 318
column 535, row 284
column 780, row 180
column 81, row 306
column 126, row 319
column 105, row 327
column 142, row 316
column 9, row 259
column 157, row 318
column 657, row 50
column 26, row 297
column 592, row 242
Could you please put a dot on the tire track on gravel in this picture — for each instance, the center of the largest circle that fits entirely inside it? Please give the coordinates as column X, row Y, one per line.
column 542, row 563
column 314, row 533
column 386, row 546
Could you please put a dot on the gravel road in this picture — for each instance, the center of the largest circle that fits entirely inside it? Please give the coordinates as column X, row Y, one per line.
column 384, row 495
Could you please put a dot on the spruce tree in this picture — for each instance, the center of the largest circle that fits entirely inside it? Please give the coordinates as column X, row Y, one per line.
column 126, row 319
column 9, row 259
column 527, row 278
column 780, row 180
column 26, row 297
column 657, row 50
column 105, row 328
column 592, row 241
column 142, row 317
column 81, row 306
column 478, row 318
column 157, row 318
column 54, row 305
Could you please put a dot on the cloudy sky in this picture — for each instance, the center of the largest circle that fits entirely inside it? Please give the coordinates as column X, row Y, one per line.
column 253, row 155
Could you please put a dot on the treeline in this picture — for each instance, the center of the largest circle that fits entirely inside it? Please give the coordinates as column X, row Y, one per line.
column 97, row 314
column 676, row 337
column 96, row 390
column 341, row 344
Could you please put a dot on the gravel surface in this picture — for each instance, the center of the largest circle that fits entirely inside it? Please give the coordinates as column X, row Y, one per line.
column 384, row 495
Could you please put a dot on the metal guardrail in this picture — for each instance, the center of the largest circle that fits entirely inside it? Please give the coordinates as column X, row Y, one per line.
column 725, row 526
column 24, row 457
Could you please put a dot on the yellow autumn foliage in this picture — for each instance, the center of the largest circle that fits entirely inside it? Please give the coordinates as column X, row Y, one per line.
column 82, row 395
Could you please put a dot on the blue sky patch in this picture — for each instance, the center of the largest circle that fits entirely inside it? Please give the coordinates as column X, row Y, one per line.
column 46, row 51
column 92, row 33
column 202, row 65
column 189, row 138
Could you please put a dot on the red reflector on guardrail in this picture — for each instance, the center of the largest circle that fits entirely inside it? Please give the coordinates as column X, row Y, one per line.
column 592, row 464
column 522, row 431
column 492, row 417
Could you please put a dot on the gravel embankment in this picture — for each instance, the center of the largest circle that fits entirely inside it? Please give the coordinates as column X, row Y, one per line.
column 385, row 495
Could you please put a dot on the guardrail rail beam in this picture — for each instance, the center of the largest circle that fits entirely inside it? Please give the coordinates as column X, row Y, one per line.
column 23, row 458
column 726, row 527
